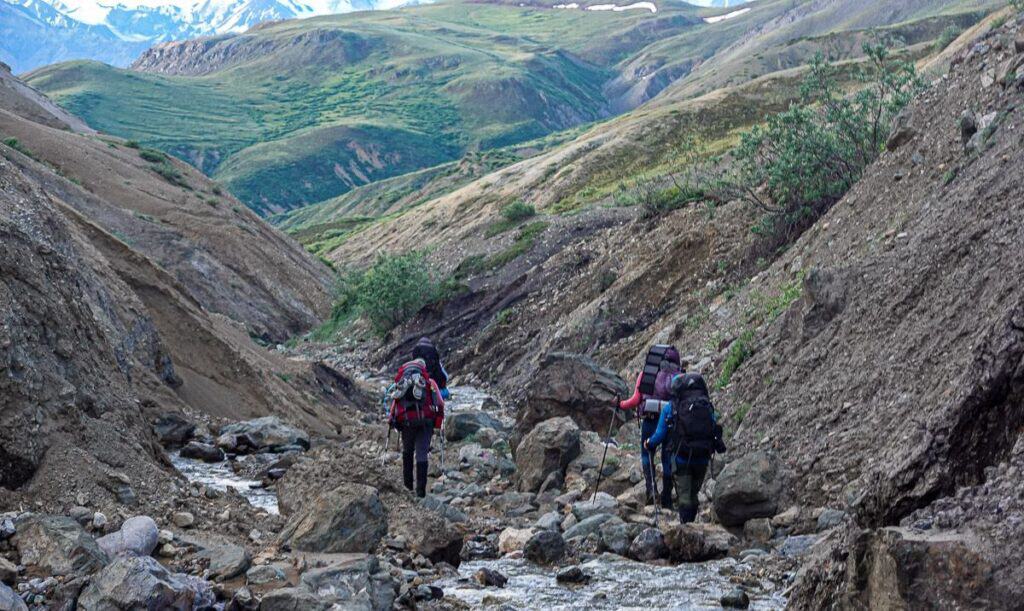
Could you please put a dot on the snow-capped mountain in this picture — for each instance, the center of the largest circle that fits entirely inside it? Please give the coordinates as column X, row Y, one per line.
column 38, row 32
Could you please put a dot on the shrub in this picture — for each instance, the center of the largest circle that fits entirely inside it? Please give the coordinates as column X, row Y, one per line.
column 948, row 36
column 739, row 351
column 152, row 155
column 511, row 215
column 132, row 144
column 21, row 148
column 1018, row 5
column 394, row 289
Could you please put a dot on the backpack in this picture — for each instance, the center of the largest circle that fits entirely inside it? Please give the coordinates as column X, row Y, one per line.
column 412, row 395
column 652, row 367
column 694, row 416
column 428, row 353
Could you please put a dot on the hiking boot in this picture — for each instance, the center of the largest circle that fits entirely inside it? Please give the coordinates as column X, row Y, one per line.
column 407, row 471
column 687, row 514
column 421, row 479
column 666, row 492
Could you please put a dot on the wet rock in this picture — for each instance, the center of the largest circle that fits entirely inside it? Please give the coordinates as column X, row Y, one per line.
column 546, row 449
column 132, row 582
column 183, row 519
column 267, row 433
column 225, row 561
column 586, row 527
column 550, row 521
column 514, row 539
column 480, row 547
column 615, row 536
column 172, row 429
column 349, row 518
column 203, row 451
column 736, row 599
column 573, row 575
column 544, row 548
column 649, row 545
column 9, row 601
column 759, row 530
column 571, row 385
column 264, row 574
column 489, row 578
column 138, row 536
column 8, row 571
column 429, row 535
column 698, row 542
column 830, row 518
column 460, row 425
column 292, row 599
column 57, row 545
column 747, row 488
column 602, row 503
column 356, row 583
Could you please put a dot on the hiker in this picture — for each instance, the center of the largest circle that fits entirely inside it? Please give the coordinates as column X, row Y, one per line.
column 651, row 393
column 424, row 349
column 417, row 409
column 690, row 432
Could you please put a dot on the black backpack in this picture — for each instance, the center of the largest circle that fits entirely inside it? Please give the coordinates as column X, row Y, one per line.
column 694, row 416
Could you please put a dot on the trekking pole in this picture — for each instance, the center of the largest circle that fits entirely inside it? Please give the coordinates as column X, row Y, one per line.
column 657, row 497
column 384, row 451
column 600, row 471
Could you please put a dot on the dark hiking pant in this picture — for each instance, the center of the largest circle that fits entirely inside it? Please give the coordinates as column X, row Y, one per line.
column 647, row 428
column 689, row 478
column 416, row 444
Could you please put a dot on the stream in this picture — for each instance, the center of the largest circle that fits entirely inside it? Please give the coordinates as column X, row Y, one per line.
column 219, row 476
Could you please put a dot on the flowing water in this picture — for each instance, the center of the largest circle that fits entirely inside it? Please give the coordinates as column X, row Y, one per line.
column 618, row 583
column 219, row 476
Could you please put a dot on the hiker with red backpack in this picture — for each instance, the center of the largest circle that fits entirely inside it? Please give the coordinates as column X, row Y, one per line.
column 416, row 410
column 691, row 435
column 651, row 393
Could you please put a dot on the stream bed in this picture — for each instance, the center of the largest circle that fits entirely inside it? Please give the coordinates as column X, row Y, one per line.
column 219, row 476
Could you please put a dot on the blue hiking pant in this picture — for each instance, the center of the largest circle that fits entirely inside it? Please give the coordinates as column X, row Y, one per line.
column 647, row 428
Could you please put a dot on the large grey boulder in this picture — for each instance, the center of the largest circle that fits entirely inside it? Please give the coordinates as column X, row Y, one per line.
column 9, row 601
column 698, row 542
column 292, row 599
column 748, row 487
column 545, row 547
column 57, row 545
column 172, row 429
column 225, row 561
column 547, row 449
column 571, row 385
column 589, row 526
column 203, row 451
column 137, row 537
column 349, row 518
column 429, row 534
column 131, row 582
column 460, row 425
column 267, row 433
column 649, row 545
column 358, row 583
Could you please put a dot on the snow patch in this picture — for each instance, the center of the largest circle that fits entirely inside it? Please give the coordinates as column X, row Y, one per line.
column 647, row 6
column 726, row 16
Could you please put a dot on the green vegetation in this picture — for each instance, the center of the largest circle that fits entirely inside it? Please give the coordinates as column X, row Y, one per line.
column 511, row 215
column 1017, row 4
column 523, row 242
column 18, row 146
column 132, row 144
column 948, row 36
column 152, row 156
column 741, row 413
column 768, row 308
column 740, row 350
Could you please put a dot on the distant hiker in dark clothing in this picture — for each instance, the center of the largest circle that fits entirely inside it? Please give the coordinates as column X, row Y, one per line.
column 424, row 349
column 651, row 392
column 417, row 409
column 690, row 432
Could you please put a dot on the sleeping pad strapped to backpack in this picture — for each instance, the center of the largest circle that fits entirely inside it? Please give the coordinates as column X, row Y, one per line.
column 412, row 395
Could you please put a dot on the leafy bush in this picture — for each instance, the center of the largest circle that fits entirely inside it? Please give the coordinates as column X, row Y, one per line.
column 803, row 160
column 948, row 36
column 393, row 289
column 132, row 144
column 21, row 148
column 152, row 155
column 511, row 215
column 739, row 352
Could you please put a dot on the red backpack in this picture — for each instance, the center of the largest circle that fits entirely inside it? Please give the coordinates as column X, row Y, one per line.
column 413, row 395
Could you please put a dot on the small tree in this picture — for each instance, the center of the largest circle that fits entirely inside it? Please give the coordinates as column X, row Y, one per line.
column 394, row 289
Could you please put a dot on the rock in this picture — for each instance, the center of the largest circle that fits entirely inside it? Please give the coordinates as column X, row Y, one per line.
column 830, row 518
column 480, row 548
column 225, row 561
column 268, row 433
column 9, row 601
column 794, row 547
column 56, row 545
column 488, row 437
column 203, row 451
column 602, row 503
column 748, row 487
column 99, row 521
column 7, row 529
column 132, row 582
column 243, row 600
column 513, row 500
column 445, row 510
column 698, row 542
column 138, row 536
column 461, row 425
column 649, row 545
column 429, row 535
column 758, row 529
column 547, row 449
column 586, row 527
column 615, row 536
column 8, row 571
column 544, row 548
column 164, row 536
column 183, row 519
column 573, row 574
column 786, row 518
column 82, row 515
column 354, row 583
column 489, row 578
column 513, row 539
column 550, row 521
column 173, row 429
column 968, row 126
column 349, row 518
column 902, row 132
column 264, row 574
column 292, row 599
column 574, row 386
column 736, row 599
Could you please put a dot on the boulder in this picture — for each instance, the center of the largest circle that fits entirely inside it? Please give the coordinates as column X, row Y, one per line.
column 514, row 539
column 759, row 530
column 736, row 599
column 292, row 599
column 9, row 601
column 267, row 433
column 264, row 574
column 589, row 526
column 649, row 545
column 354, row 583
column 225, row 561
column 490, row 578
column 544, row 548
column 547, row 449
column 571, row 385
column 460, row 425
column 56, row 545
column 428, row 534
column 172, row 429
column 550, row 521
column 602, row 503
column 137, row 536
column 615, row 536
column 133, row 582
column 203, row 451
column 349, row 518
column 572, row 574
column 830, row 518
column 183, row 519
column 698, row 542
column 748, row 487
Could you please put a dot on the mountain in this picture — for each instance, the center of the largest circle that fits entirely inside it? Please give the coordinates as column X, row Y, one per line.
column 35, row 33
